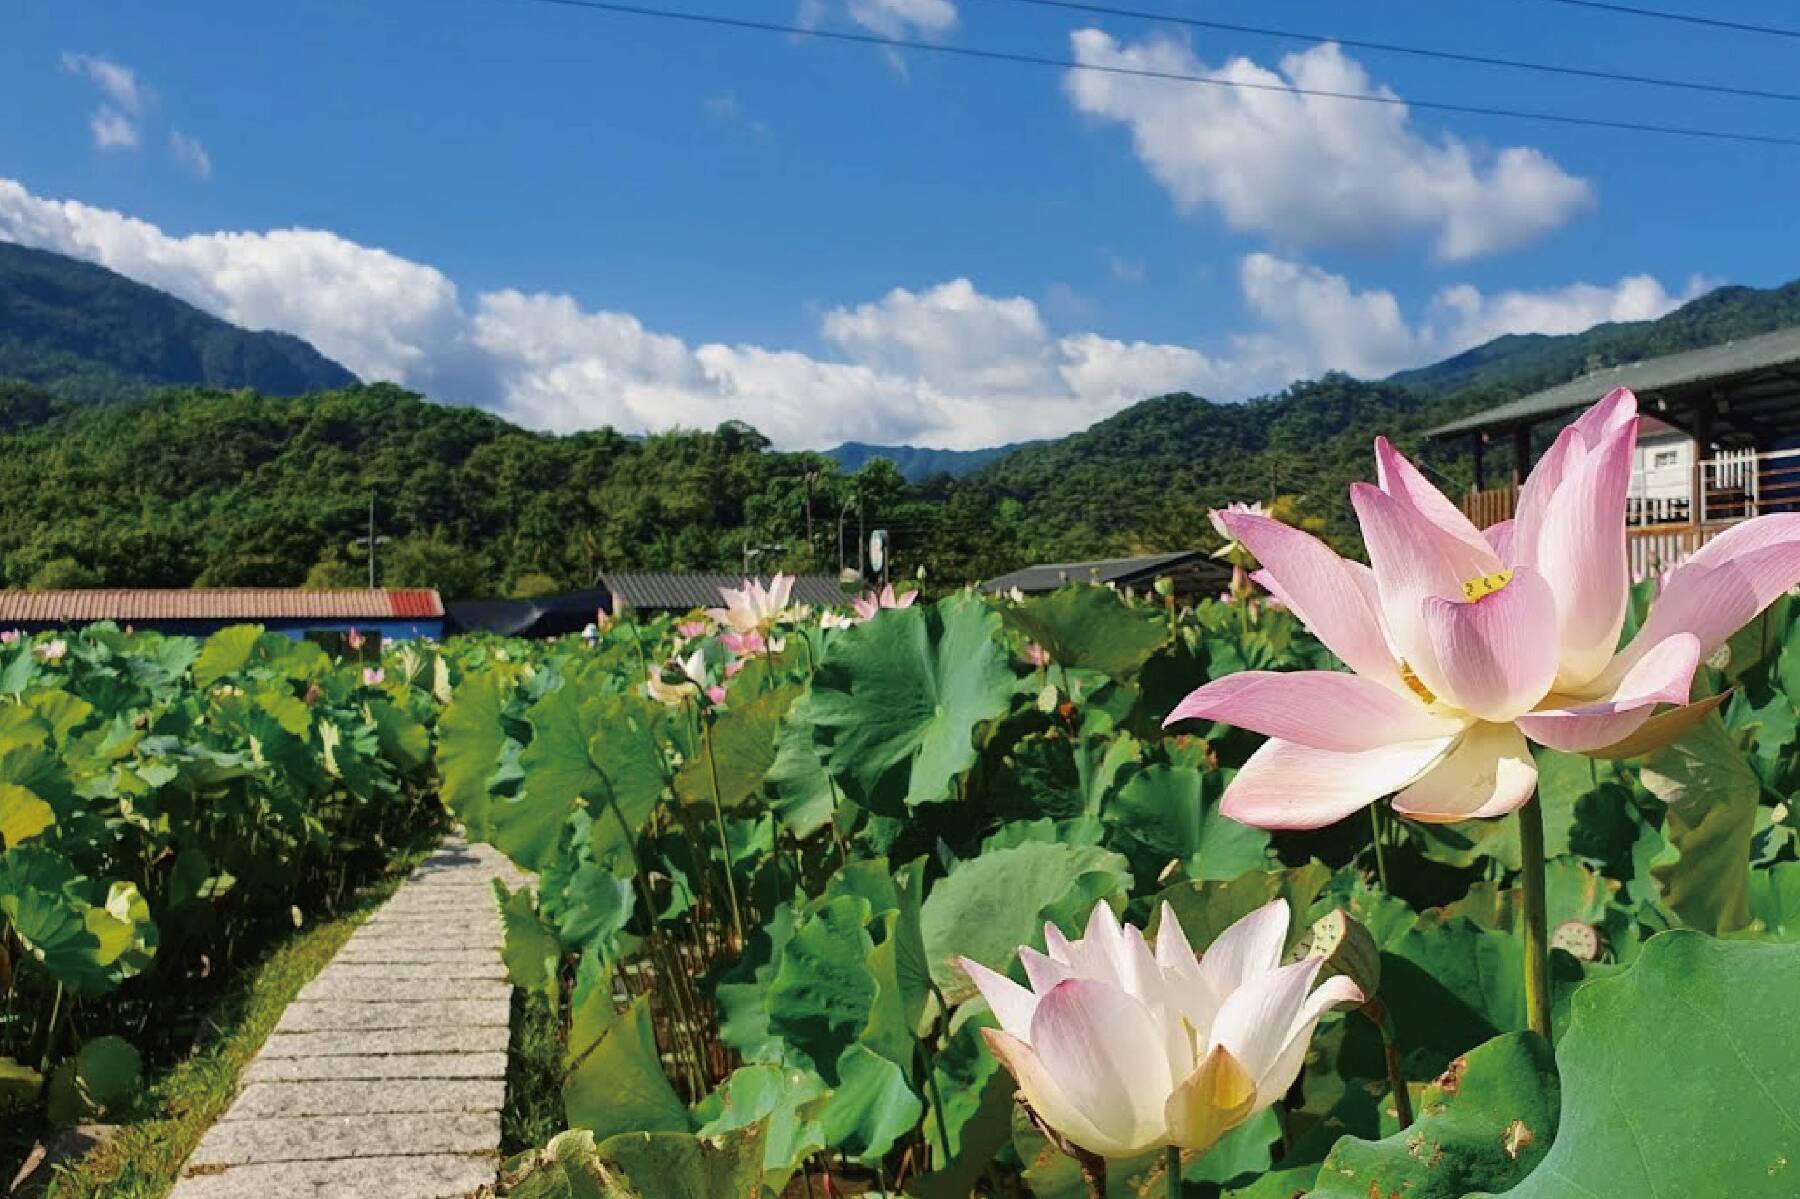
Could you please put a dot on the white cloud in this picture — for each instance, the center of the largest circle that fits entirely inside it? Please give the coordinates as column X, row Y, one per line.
column 190, row 153
column 904, row 18
column 1316, row 321
column 114, row 124
column 946, row 365
column 1310, row 170
column 112, row 130
column 117, row 82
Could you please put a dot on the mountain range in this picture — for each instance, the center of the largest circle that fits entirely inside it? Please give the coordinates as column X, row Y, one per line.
column 107, row 479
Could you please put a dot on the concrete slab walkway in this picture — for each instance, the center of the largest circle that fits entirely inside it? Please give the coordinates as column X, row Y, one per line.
column 386, row 1076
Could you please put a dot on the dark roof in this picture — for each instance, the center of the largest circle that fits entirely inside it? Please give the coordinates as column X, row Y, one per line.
column 227, row 603
column 1763, row 367
column 1048, row 576
column 682, row 591
column 544, row 616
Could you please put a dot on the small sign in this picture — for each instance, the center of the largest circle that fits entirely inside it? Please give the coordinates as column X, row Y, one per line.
column 878, row 551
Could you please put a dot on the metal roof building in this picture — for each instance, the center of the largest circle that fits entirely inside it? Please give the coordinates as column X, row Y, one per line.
column 683, row 591
column 1745, row 391
column 1193, row 572
column 395, row 614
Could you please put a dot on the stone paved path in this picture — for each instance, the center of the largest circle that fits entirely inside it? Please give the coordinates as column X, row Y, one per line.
column 386, row 1076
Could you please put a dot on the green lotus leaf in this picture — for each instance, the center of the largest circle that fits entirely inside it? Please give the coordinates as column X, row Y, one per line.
column 784, row 1100
column 1207, row 908
column 225, row 652
column 1486, row 1123
column 1775, row 900
column 1166, row 810
column 1091, row 628
column 19, row 1085
column 470, row 740
column 821, row 995
column 1711, row 1109
column 801, row 793
column 618, row 1085
column 22, row 815
column 670, row 1165
column 988, row 906
column 41, row 897
column 897, row 702
column 1711, row 795
column 530, row 950
column 98, row 1080
column 871, row 1107
column 743, row 750
column 64, row 713
column 404, row 741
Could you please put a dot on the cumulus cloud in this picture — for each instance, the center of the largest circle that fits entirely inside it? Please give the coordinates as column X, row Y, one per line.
column 114, row 124
column 899, row 18
column 947, row 365
column 1315, row 171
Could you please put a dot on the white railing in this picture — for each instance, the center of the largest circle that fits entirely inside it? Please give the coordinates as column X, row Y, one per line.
column 1738, row 484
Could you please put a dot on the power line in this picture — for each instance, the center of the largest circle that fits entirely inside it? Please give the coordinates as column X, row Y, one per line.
column 1069, row 64
column 1485, row 60
column 1683, row 17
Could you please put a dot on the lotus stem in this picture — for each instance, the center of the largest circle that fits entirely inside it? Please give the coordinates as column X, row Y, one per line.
column 1536, row 919
column 1173, row 1157
column 937, row 1101
column 712, row 770
column 1383, row 1021
column 1381, row 871
column 1093, row 1173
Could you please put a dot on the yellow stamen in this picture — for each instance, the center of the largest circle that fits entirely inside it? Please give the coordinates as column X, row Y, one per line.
column 1474, row 589
column 1414, row 685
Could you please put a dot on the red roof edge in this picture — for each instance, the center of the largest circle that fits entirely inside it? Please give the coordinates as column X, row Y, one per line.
column 417, row 602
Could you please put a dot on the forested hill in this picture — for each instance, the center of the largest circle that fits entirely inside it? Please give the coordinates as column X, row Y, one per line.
column 87, row 333
column 209, row 488
column 918, row 463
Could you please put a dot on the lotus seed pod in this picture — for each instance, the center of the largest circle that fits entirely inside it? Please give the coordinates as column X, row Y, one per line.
column 1577, row 939
column 1348, row 949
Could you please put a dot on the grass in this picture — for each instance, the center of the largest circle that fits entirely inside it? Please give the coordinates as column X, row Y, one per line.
column 533, row 1112
column 143, row 1160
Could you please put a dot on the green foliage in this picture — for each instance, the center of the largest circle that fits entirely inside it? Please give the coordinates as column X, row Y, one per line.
column 1710, row 1111
column 164, row 806
column 898, row 701
column 1485, row 1124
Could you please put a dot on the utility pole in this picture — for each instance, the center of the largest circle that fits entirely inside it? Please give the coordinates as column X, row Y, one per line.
column 368, row 544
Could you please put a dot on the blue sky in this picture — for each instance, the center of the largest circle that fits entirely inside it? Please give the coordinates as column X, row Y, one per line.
column 579, row 218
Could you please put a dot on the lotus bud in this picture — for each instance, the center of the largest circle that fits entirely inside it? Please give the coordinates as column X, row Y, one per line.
column 1578, row 940
column 1347, row 949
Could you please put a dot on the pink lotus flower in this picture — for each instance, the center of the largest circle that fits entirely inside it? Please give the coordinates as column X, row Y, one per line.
column 754, row 608
column 354, row 639
column 372, row 676
column 10, row 637
column 716, row 694
column 1464, row 644
column 1037, row 655
column 1122, row 1049
column 749, row 645
column 687, row 630
column 51, row 651
column 869, row 603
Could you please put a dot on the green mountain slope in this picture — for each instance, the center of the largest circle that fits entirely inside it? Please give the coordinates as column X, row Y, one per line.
column 918, row 463
column 88, row 333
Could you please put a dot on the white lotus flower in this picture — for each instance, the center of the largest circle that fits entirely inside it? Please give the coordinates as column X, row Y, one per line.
column 1122, row 1049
